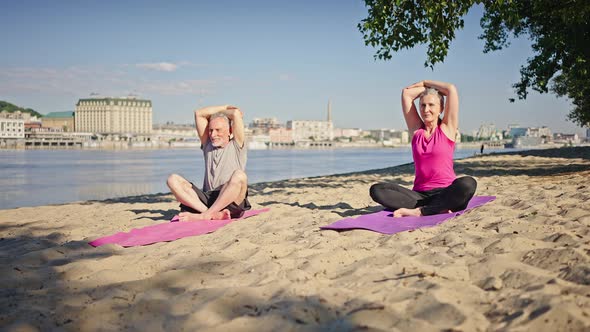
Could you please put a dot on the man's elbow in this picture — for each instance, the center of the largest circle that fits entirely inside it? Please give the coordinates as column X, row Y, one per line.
column 201, row 114
column 236, row 114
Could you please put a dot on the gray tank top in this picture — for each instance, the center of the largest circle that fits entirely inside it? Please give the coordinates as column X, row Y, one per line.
column 220, row 163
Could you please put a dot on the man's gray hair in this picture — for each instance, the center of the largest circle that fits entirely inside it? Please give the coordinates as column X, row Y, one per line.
column 220, row 115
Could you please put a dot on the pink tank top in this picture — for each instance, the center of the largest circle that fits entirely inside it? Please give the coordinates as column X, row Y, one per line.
column 433, row 160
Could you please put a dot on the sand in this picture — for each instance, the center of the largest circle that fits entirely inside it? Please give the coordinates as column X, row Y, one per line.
column 520, row 263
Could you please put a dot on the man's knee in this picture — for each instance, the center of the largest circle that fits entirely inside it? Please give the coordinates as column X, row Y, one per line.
column 239, row 177
column 175, row 181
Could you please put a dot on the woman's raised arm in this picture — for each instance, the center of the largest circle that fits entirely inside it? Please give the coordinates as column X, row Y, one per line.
column 451, row 111
column 413, row 121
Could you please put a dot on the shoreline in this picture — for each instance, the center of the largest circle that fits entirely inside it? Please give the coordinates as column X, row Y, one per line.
column 462, row 145
column 476, row 154
column 520, row 262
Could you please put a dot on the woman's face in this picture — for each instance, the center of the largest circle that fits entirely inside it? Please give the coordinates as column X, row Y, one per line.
column 430, row 108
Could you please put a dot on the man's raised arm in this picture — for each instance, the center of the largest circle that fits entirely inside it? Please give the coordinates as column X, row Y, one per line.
column 202, row 119
column 237, row 124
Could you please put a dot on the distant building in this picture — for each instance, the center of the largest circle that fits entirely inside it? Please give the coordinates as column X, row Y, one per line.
column 171, row 131
column 486, row 131
column 27, row 117
column 258, row 142
column 12, row 128
column 566, row 138
column 380, row 135
column 63, row 121
column 517, row 131
column 114, row 115
column 543, row 132
column 389, row 136
column 263, row 125
column 347, row 132
column 400, row 137
column 530, row 136
column 281, row 135
column 526, row 141
column 32, row 125
column 314, row 130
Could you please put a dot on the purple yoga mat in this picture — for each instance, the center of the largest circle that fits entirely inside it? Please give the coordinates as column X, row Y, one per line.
column 384, row 222
column 168, row 231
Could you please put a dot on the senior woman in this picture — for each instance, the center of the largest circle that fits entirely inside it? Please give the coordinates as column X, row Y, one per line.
column 436, row 188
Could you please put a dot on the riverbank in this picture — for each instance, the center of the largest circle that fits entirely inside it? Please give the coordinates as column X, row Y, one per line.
column 520, row 262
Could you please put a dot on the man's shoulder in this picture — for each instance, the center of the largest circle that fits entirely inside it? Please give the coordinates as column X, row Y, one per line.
column 207, row 146
column 236, row 145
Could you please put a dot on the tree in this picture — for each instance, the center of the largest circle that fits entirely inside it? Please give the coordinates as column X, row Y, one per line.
column 559, row 32
column 10, row 108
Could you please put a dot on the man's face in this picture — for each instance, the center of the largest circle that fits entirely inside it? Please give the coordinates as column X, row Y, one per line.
column 219, row 132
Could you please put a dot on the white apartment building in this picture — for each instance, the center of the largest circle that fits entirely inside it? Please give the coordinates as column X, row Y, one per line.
column 169, row 131
column 126, row 115
column 400, row 137
column 12, row 128
column 486, row 131
column 306, row 130
column 280, row 135
column 347, row 132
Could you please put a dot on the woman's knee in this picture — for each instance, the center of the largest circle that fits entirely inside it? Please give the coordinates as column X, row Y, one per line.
column 375, row 190
column 467, row 184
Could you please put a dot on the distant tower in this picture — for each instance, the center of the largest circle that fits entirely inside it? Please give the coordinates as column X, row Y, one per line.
column 329, row 111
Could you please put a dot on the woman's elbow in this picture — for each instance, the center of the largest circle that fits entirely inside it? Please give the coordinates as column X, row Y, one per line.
column 452, row 89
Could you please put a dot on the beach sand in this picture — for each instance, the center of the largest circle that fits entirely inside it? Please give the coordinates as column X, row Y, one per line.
column 520, row 263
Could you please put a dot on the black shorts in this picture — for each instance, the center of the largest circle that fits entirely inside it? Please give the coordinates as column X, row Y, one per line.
column 209, row 197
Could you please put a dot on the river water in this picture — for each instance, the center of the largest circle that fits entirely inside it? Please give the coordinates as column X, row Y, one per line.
column 41, row 177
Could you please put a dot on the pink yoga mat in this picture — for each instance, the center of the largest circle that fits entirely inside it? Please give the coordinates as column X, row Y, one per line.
column 168, row 231
column 384, row 222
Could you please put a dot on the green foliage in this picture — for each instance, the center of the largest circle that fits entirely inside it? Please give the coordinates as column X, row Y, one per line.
column 467, row 138
column 559, row 32
column 471, row 138
column 11, row 108
column 393, row 25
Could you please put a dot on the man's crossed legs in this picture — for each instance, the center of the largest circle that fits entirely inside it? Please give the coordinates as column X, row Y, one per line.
column 228, row 203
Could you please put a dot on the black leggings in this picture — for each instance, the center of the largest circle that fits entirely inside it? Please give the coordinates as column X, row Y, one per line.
column 454, row 197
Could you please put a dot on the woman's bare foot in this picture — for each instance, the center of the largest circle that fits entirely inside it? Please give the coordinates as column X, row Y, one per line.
column 403, row 212
column 221, row 215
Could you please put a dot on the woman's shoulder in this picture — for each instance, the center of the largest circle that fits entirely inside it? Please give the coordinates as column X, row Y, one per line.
column 418, row 132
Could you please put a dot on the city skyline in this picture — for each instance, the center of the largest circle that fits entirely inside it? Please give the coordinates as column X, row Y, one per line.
column 282, row 59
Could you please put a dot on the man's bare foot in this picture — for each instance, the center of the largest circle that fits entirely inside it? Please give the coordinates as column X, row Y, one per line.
column 187, row 216
column 403, row 212
column 221, row 215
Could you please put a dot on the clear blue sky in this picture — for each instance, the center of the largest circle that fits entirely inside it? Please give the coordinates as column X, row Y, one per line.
column 282, row 59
